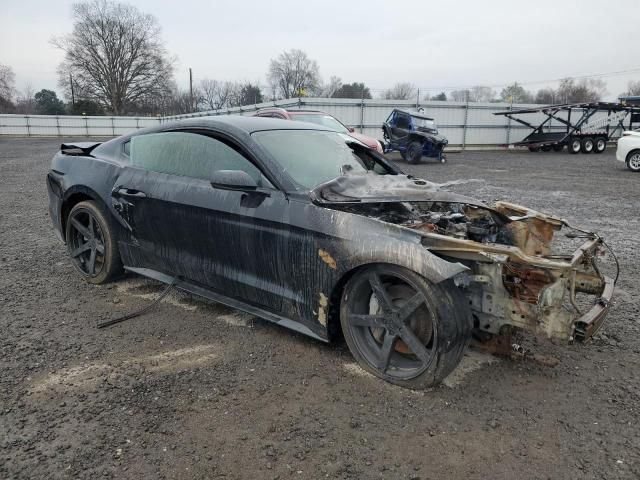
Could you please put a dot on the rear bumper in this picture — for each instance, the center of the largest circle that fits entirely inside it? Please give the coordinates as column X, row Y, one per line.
column 589, row 323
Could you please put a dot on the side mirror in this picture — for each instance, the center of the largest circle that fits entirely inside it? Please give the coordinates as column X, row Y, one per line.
column 351, row 129
column 233, row 180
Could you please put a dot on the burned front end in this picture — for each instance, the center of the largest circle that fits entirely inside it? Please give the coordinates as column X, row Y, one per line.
column 519, row 277
column 522, row 274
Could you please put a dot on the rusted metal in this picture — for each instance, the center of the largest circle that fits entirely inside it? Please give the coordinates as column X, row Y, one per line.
column 589, row 323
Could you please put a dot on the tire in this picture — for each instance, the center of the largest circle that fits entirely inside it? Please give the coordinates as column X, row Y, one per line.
column 574, row 146
column 91, row 243
column 599, row 145
column 586, row 146
column 633, row 161
column 546, row 148
column 534, row 149
column 414, row 153
column 438, row 325
column 557, row 147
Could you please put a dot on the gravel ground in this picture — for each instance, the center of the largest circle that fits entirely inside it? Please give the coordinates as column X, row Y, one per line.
column 196, row 390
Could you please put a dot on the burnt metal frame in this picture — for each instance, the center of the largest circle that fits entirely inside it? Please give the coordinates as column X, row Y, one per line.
column 572, row 129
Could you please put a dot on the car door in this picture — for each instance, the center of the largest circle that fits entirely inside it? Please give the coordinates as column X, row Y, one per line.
column 180, row 224
column 401, row 126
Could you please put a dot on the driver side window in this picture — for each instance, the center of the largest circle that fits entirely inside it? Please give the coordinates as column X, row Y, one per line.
column 190, row 155
column 402, row 121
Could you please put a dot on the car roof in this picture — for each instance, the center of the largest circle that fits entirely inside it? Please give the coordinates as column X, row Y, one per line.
column 317, row 112
column 247, row 124
column 413, row 113
column 293, row 111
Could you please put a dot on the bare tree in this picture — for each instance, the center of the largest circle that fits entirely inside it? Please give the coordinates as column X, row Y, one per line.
column 480, row 93
column 585, row 90
column 331, row 87
column 115, row 55
column 400, row 91
column 215, row 95
column 477, row 93
column 633, row 88
column 545, row 96
column 294, row 74
column 25, row 101
column 7, row 83
column 460, row 95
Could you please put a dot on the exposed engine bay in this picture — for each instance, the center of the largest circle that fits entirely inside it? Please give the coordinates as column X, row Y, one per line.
column 455, row 220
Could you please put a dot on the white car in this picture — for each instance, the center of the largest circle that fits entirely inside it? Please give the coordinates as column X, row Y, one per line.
column 629, row 149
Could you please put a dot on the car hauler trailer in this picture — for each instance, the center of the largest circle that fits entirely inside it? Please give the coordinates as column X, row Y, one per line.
column 582, row 132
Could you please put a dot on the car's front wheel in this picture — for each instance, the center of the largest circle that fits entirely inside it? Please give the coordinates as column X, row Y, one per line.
column 402, row 328
column 633, row 161
column 91, row 243
column 414, row 152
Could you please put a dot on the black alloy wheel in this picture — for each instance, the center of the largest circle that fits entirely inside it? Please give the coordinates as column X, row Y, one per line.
column 402, row 328
column 90, row 243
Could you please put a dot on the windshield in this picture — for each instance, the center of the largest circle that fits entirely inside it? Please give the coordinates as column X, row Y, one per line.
column 324, row 120
column 420, row 122
column 312, row 157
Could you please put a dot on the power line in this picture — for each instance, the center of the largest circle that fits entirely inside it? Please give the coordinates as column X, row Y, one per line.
column 533, row 82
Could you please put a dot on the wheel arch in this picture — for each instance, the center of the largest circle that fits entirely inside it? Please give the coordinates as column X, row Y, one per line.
column 72, row 197
column 627, row 158
column 631, row 152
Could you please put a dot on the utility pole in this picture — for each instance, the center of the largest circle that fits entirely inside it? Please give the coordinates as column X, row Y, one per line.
column 73, row 96
column 418, row 100
column 362, row 110
column 190, row 91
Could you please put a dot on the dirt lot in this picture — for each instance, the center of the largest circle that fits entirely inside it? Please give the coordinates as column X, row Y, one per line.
column 196, row 390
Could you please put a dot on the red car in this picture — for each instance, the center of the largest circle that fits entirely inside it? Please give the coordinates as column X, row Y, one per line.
column 320, row 118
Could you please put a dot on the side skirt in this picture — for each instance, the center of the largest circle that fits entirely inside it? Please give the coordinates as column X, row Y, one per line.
column 229, row 302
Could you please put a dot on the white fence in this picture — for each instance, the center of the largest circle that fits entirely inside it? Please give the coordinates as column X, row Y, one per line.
column 464, row 124
column 72, row 125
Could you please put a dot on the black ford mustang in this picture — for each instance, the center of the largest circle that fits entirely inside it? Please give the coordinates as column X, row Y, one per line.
column 312, row 230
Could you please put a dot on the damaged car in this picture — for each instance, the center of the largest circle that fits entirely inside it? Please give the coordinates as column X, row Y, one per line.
column 312, row 230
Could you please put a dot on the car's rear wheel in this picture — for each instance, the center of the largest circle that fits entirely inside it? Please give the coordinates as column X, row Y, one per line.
column 574, row 146
column 414, row 152
column 91, row 243
column 558, row 147
column 599, row 145
column 534, row 149
column 402, row 328
column 633, row 161
column 587, row 145
column 546, row 148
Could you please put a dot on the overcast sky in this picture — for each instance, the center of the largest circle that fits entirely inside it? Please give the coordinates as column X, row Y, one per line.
column 431, row 44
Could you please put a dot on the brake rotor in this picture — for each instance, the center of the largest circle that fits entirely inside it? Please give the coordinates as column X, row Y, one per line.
column 399, row 295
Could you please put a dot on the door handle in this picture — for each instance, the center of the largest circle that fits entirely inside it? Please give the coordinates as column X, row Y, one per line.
column 130, row 192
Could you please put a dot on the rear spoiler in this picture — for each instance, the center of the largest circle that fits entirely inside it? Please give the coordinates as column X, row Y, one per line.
column 78, row 148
